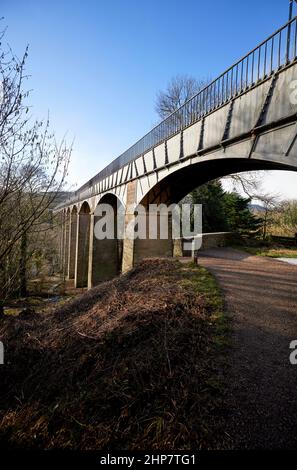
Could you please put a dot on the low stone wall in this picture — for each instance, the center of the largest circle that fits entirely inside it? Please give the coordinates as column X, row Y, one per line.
column 182, row 246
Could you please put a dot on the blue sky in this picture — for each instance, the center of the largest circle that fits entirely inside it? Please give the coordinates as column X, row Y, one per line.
column 96, row 66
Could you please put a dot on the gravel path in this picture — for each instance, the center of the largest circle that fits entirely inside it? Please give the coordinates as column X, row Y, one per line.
column 261, row 298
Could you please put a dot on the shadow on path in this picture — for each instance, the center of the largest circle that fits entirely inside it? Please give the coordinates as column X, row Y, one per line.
column 261, row 299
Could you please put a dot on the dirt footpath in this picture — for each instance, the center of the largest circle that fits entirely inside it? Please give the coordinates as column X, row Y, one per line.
column 261, row 299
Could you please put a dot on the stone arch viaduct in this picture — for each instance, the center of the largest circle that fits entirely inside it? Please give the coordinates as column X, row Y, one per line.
column 246, row 119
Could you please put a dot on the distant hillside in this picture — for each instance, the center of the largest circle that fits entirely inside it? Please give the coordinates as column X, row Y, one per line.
column 256, row 208
column 62, row 195
column 59, row 197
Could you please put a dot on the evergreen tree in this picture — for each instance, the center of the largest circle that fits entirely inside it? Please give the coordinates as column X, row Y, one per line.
column 211, row 196
column 222, row 211
column 239, row 218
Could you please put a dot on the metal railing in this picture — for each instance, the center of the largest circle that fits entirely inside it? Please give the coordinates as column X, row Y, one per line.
column 275, row 52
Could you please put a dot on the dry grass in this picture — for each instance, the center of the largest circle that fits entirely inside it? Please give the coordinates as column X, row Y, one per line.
column 271, row 252
column 131, row 364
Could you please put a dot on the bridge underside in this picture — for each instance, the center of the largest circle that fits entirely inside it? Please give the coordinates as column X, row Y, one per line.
column 176, row 186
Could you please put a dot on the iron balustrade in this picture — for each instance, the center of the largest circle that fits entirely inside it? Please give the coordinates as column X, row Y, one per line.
column 272, row 54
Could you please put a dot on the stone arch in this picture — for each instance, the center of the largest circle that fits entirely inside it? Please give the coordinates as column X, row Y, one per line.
column 66, row 240
column 172, row 187
column 82, row 245
column 72, row 241
column 105, row 253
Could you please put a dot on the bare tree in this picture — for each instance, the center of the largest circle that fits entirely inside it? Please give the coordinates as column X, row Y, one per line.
column 288, row 217
column 248, row 182
column 33, row 168
column 270, row 202
column 179, row 90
